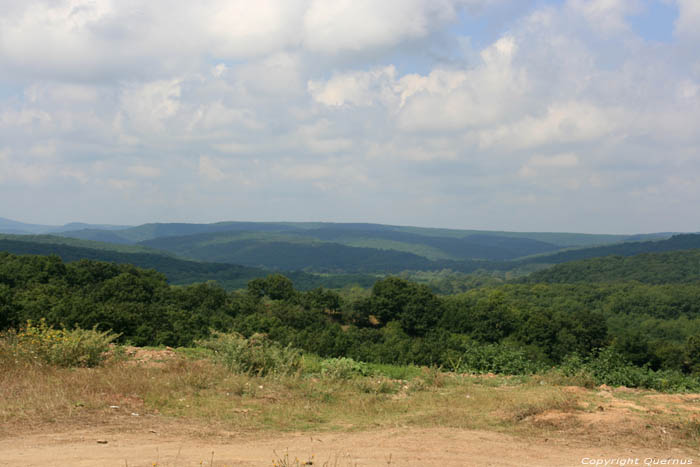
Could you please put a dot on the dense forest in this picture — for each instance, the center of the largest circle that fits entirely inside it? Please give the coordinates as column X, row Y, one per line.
column 505, row 328
column 651, row 268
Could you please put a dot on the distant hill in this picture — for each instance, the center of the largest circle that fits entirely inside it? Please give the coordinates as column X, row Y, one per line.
column 90, row 244
column 651, row 268
column 359, row 248
column 150, row 231
column 98, row 235
column 290, row 254
column 333, row 249
column 178, row 271
column 158, row 230
column 675, row 243
column 8, row 226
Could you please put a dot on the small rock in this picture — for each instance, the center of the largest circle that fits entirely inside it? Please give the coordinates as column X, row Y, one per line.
column 152, row 431
column 134, row 414
column 601, row 408
column 102, row 441
column 113, row 406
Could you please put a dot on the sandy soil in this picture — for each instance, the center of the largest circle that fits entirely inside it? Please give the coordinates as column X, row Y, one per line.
column 144, row 443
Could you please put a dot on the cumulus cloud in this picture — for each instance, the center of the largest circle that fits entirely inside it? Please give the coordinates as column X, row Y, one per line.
column 688, row 22
column 209, row 170
column 146, row 106
column 355, row 25
column 393, row 111
column 607, row 16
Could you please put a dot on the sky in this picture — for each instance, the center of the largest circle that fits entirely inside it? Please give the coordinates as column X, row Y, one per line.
column 521, row 115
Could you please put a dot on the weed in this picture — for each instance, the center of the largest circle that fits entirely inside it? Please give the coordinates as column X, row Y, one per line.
column 41, row 344
column 343, row 368
column 256, row 356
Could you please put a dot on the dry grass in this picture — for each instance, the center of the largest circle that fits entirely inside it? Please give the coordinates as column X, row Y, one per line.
column 199, row 393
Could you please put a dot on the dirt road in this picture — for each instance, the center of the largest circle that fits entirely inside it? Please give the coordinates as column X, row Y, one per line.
column 151, row 445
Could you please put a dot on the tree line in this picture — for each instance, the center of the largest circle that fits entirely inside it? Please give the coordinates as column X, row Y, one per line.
column 522, row 325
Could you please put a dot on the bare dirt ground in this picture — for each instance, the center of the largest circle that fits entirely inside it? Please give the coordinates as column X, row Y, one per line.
column 147, row 443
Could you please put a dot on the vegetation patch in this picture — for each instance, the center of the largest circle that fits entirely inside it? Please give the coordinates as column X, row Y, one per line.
column 38, row 343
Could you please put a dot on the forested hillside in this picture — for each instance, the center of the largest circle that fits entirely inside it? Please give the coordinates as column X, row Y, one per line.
column 676, row 242
column 242, row 242
column 177, row 271
column 512, row 328
column 652, row 268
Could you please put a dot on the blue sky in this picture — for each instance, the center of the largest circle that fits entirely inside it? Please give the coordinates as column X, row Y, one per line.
column 567, row 115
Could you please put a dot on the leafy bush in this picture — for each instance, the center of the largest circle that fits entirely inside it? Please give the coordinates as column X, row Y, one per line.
column 343, row 368
column 40, row 343
column 610, row 368
column 256, row 355
column 492, row 358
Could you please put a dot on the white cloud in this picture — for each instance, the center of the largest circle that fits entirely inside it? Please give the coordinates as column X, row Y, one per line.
column 563, row 122
column 688, row 22
column 307, row 172
column 94, row 39
column 144, row 171
column 147, row 105
column 547, row 164
column 360, row 88
column 442, row 100
column 363, row 110
column 355, row 25
column 320, row 137
column 121, row 184
column 209, row 170
column 556, row 161
column 607, row 16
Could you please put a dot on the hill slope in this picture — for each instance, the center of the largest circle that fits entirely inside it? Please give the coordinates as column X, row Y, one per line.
column 675, row 243
column 651, row 268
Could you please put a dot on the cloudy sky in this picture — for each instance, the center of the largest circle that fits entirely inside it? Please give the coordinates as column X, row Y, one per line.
column 571, row 115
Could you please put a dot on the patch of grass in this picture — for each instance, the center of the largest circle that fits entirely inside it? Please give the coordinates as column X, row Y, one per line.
column 404, row 372
column 206, row 393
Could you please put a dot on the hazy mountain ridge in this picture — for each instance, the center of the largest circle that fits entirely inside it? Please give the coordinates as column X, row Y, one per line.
column 150, row 231
column 357, row 248
column 10, row 226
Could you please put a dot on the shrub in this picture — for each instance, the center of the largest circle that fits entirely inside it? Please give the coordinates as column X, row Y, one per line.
column 42, row 344
column 491, row 358
column 257, row 355
column 609, row 367
column 343, row 368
